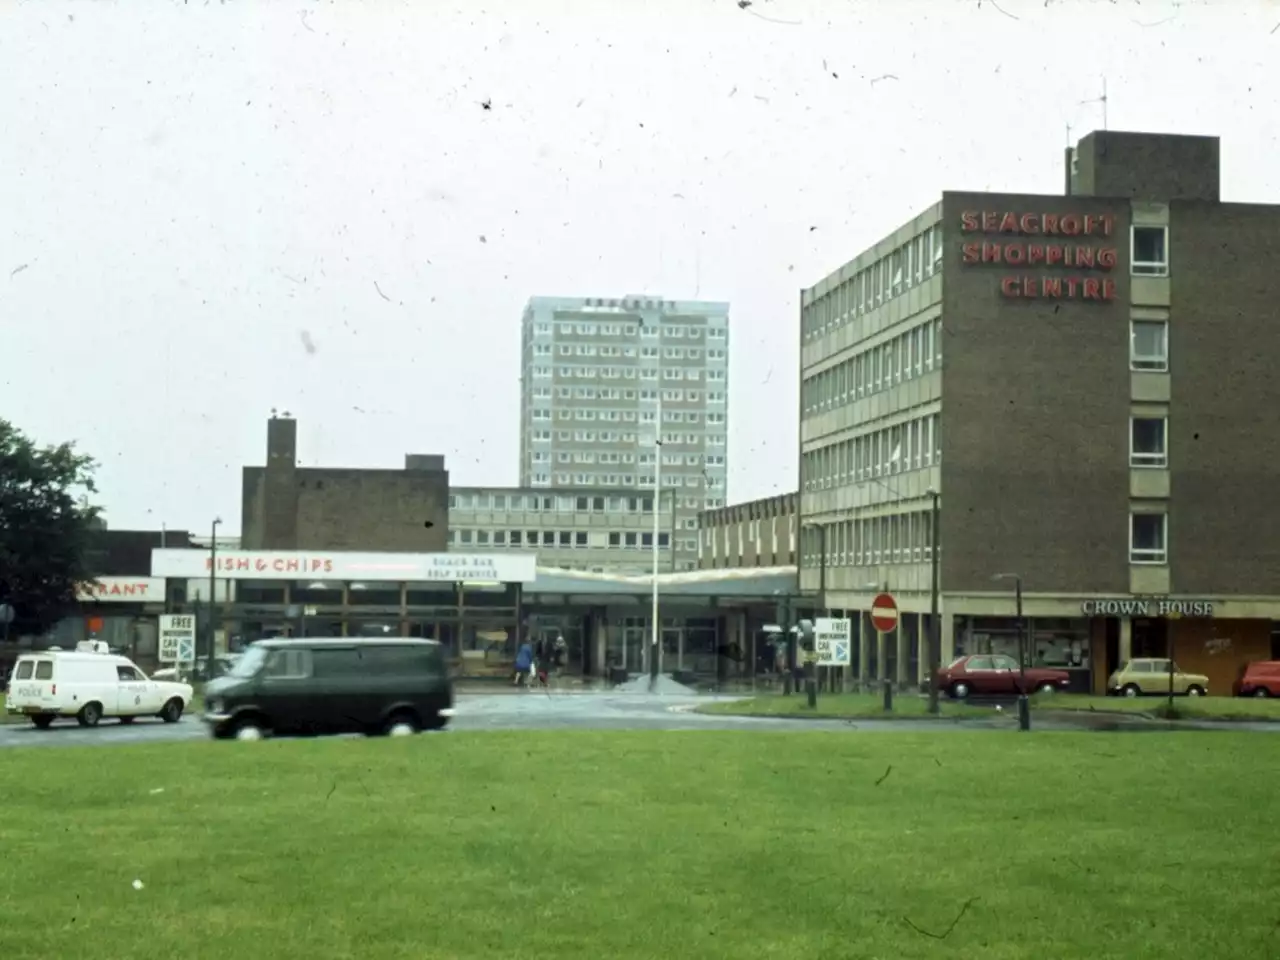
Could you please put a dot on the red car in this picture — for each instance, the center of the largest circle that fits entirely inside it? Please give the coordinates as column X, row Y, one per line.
column 987, row 675
column 1258, row 679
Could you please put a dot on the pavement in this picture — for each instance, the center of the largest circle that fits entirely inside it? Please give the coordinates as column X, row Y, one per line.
column 596, row 710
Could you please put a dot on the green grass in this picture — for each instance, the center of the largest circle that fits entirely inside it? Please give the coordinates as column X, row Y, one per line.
column 1202, row 708
column 860, row 706
column 850, row 706
column 646, row 844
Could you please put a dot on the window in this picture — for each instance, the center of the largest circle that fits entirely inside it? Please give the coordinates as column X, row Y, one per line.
column 289, row 664
column 1147, row 538
column 1148, row 442
column 44, row 670
column 1150, row 253
column 1149, row 345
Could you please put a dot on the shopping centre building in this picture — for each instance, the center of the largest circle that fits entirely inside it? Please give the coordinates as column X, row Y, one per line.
column 1085, row 383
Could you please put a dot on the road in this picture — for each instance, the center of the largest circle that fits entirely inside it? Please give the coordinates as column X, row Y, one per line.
column 563, row 711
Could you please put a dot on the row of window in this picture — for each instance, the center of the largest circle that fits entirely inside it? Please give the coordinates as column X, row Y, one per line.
column 913, row 263
column 673, row 331
column 696, row 460
column 906, row 446
column 633, row 480
column 592, row 371
column 613, row 436
column 896, row 538
column 564, row 539
column 617, row 393
column 627, row 416
column 911, row 354
column 645, row 353
column 540, row 503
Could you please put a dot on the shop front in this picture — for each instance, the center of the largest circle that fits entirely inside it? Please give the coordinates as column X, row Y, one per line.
column 468, row 602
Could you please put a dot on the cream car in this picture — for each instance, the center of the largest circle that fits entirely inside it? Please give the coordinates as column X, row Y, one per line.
column 1149, row 676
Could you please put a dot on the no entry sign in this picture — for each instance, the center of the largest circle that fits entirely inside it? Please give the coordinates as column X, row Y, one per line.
column 884, row 612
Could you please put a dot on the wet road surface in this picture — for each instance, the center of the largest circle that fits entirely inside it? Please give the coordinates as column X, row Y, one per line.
column 537, row 710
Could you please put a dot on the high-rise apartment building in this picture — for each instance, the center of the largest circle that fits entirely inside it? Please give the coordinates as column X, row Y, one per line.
column 596, row 373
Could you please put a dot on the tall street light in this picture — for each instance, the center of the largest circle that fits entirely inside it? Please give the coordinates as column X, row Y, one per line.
column 657, row 500
column 1024, row 705
column 213, row 583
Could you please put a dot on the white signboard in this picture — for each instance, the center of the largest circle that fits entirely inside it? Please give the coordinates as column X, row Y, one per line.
column 177, row 638
column 123, row 590
column 339, row 565
column 832, row 640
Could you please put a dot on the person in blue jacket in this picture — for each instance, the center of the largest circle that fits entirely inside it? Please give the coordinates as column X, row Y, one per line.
column 524, row 660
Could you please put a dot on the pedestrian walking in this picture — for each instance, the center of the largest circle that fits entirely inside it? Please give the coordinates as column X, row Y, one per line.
column 524, row 663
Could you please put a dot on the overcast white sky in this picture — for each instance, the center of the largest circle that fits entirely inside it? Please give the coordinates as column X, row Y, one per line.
column 186, row 189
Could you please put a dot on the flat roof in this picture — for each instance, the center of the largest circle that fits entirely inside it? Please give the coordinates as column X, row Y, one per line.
column 738, row 582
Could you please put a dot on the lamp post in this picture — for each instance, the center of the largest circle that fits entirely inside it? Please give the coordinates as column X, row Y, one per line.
column 1024, row 705
column 213, row 583
column 935, row 624
column 657, row 499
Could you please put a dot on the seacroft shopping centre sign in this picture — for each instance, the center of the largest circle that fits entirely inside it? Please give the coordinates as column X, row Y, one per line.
column 1072, row 253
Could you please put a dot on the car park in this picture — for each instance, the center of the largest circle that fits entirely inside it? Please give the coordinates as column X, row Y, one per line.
column 89, row 686
column 317, row 687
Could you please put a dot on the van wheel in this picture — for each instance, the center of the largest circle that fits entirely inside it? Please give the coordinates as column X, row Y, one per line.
column 42, row 721
column 248, row 730
column 1262, row 692
column 403, row 724
column 89, row 715
column 172, row 711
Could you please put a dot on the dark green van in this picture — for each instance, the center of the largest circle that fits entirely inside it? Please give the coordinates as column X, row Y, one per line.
column 318, row 687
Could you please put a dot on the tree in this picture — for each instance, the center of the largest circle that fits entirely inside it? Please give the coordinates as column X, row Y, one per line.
column 46, row 522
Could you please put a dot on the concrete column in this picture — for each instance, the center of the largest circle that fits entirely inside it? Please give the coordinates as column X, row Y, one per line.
column 923, row 640
column 1126, row 640
column 948, row 644
column 601, row 630
column 864, row 649
column 901, row 635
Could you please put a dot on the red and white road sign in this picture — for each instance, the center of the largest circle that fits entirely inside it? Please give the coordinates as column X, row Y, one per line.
column 884, row 612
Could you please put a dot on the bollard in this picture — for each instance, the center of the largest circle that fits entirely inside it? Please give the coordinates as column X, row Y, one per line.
column 887, row 686
column 1024, row 712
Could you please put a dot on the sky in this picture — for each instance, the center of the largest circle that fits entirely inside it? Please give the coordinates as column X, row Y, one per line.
column 212, row 209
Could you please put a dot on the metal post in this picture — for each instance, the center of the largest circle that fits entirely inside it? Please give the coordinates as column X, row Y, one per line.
column 810, row 668
column 935, row 625
column 788, row 679
column 1024, row 705
column 657, row 499
column 213, row 583
column 1169, row 635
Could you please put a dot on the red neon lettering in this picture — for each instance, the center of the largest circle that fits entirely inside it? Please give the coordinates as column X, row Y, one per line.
column 1053, row 255
column 1092, row 288
column 1052, row 286
column 1051, row 224
column 1108, row 257
column 1009, row 223
column 990, row 222
column 971, row 253
column 1015, row 254
column 1029, row 223
column 969, row 221
column 991, row 253
column 1035, row 254
column 1071, row 224
column 1009, row 286
column 1083, row 257
column 1108, row 289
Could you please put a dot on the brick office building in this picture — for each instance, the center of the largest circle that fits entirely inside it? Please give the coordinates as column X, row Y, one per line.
column 1085, row 382
column 287, row 507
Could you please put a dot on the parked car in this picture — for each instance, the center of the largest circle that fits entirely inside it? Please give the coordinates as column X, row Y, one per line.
column 1149, row 676
column 89, row 686
column 987, row 675
column 199, row 672
column 1258, row 679
column 315, row 687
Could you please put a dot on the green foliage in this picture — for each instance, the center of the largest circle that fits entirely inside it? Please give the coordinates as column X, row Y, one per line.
column 46, row 522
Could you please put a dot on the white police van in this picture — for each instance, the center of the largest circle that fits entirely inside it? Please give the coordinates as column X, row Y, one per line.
column 89, row 684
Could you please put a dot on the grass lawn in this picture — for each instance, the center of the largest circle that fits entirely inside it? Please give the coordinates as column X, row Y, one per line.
column 1206, row 708
column 647, row 844
column 841, row 705
column 865, row 706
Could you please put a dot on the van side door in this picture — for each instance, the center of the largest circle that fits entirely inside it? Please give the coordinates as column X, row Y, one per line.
column 133, row 693
column 286, row 690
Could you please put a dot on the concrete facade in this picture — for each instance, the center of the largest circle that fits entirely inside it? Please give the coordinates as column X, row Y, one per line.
column 594, row 374
column 287, row 507
column 595, row 530
column 756, row 533
column 1080, row 379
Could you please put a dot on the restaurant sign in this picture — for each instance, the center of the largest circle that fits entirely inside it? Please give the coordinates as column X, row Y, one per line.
column 1070, row 253
column 122, row 590
column 339, row 565
column 1147, row 607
